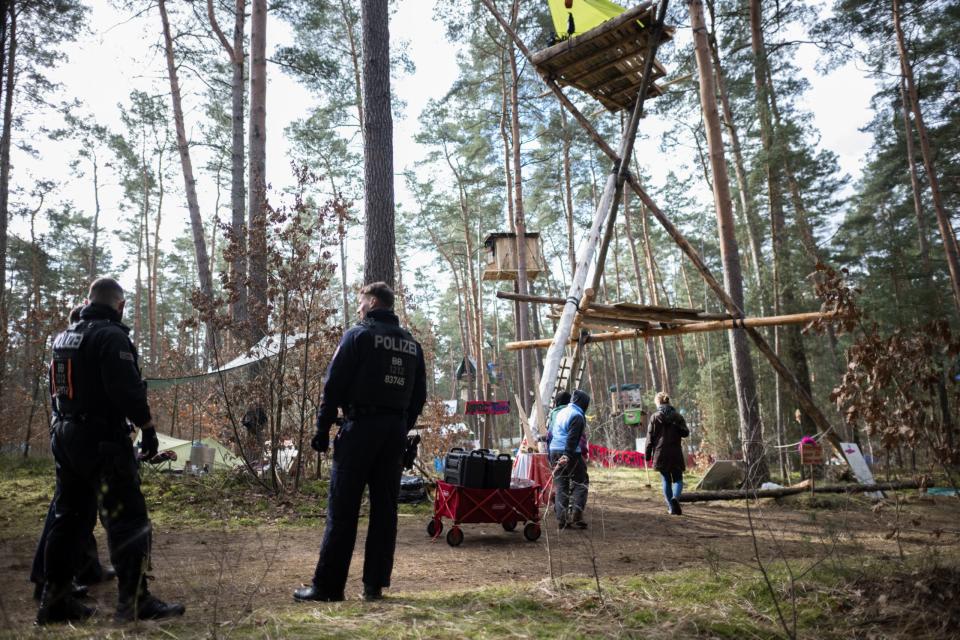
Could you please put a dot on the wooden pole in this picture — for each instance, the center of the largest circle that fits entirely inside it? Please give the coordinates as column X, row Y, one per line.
column 697, row 327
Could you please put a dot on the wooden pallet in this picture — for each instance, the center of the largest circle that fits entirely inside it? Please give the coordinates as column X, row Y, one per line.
column 607, row 61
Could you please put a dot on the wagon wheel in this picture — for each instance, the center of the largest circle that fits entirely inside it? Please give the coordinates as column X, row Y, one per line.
column 434, row 527
column 532, row 531
column 509, row 525
column 455, row 537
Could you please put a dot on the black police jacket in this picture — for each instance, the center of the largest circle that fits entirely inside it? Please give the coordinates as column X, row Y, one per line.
column 378, row 368
column 95, row 372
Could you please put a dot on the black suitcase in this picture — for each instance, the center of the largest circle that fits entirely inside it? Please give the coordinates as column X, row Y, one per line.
column 464, row 469
column 498, row 470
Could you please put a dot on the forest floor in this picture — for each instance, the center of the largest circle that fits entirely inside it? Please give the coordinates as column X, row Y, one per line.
column 836, row 566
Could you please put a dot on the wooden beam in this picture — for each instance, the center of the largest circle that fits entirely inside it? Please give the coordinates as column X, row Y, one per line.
column 699, row 327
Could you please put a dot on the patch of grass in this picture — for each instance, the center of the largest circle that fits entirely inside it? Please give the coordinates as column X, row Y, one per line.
column 834, row 601
column 26, row 488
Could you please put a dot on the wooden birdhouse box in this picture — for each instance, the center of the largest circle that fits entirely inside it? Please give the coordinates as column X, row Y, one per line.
column 502, row 256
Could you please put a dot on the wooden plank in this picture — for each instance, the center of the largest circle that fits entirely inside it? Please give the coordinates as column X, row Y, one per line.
column 643, row 12
column 700, row 327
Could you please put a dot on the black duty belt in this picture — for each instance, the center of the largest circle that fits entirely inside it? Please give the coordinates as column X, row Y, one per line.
column 353, row 412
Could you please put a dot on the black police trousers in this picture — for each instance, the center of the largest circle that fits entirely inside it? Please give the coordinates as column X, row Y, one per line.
column 88, row 569
column 367, row 452
column 92, row 456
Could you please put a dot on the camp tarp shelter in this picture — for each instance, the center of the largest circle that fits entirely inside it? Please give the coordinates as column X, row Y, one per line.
column 224, row 459
column 582, row 16
column 268, row 347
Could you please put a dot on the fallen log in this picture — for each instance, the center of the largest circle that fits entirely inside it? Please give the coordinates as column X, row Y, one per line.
column 739, row 494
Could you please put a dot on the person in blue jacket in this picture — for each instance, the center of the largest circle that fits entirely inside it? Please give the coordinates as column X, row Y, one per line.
column 566, row 457
column 378, row 379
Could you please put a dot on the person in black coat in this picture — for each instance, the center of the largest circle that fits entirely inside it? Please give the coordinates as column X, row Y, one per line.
column 667, row 428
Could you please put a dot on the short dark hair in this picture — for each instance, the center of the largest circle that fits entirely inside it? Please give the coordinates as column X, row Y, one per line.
column 381, row 291
column 105, row 291
column 75, row 314
column 562, row 398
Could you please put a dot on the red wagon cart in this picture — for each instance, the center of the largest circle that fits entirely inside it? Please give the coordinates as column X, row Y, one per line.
column 508, row 507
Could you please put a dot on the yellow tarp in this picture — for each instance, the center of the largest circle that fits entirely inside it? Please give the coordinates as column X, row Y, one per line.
column 582, row 16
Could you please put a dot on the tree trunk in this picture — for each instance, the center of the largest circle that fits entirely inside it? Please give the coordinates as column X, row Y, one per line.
column 922, row 242
column 568, row 193
column 356, row 64
column 257, row 310
column 519, row 220
column 189, row 183
column 238, row 264
column 751, row 429
column 380, row 242
column 943, row 220
column 752, row 221
column 96, row 219
column 648, row 346
column 10, row 58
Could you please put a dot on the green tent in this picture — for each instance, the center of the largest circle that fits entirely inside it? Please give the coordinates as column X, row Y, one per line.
column 582, row 15
column 223, row 458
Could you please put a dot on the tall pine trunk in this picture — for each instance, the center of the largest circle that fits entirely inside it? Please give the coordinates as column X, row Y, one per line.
column 380, row 241
column 189, row 183
column 257, row 311
column 238, row 263
column 751, row 429
column 520, row 225
column 10, row 58
column 943, row 220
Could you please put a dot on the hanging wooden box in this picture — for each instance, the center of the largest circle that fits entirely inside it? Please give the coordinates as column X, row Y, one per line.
column 502, row 261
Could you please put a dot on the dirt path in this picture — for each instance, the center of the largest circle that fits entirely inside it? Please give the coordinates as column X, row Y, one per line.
column 224, row 574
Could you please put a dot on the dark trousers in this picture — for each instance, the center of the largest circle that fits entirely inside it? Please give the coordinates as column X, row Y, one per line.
column 367, row 452
column 88, row 569
column 570, row 482
column 92, row 457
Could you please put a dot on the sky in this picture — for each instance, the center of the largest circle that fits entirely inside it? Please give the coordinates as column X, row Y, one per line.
column 103, row 67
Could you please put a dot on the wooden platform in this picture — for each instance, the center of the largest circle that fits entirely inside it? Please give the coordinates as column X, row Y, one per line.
column 637, row 316
column 607, row 61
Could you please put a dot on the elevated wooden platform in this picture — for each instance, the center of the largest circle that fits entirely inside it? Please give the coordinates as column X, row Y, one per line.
column 607, row 61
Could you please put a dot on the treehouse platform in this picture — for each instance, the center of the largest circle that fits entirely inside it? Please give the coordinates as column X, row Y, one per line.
column 607, row 61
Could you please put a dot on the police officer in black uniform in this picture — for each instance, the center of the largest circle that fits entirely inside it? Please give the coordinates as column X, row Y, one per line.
column 378, row 378
column 97, row 387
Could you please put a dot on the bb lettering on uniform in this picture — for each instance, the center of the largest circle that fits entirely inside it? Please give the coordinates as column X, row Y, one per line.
column 393, row 343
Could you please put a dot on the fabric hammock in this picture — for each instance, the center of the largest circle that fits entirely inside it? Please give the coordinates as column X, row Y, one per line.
column 582, row 15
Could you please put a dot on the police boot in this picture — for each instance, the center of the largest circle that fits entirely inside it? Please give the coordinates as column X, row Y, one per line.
column 57, row 604
column 371, row 593
column 145, row 606
column 304, row 594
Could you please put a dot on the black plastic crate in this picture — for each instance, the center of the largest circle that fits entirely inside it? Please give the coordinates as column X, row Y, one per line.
column 466, row 469
column 498, row 470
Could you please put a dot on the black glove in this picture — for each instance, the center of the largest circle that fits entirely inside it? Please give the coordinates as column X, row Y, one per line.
column 321, row 440
column 149, row 443
column 410, row 451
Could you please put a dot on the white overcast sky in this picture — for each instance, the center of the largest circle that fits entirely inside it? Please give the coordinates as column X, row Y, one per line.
column 105, row 65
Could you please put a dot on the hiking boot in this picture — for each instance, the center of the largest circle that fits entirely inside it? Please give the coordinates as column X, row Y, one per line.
column 304, row 594
column 147, row 607
column 372, row 593
column 57, row 604
column 675, row 509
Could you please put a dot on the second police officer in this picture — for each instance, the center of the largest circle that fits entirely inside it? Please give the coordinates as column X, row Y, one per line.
column 378, row 378
column 97, row 387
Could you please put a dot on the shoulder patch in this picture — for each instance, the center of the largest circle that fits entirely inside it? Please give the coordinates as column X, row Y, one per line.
column 126, row 355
